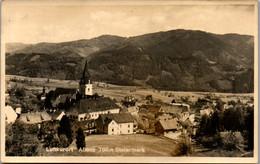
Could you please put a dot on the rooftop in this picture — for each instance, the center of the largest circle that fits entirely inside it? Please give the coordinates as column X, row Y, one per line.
column 175, row 108
column 169, row 124
column 118, row 118
column 93, row 105
column 34, row 118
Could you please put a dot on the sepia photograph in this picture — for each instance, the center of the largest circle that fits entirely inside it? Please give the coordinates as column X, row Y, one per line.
column 129, row 81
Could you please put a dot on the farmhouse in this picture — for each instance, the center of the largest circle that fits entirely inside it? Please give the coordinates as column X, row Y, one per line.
column 114, row 124
column 10, row 114
column 168, row 128
column 87, row 109
column 34, row 118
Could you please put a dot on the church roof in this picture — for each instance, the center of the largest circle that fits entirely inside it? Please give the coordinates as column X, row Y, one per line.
column 61, row 91
column 93, row 105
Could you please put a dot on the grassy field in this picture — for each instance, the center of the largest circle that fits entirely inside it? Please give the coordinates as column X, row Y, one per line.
column 132, row 145
column 119, row 92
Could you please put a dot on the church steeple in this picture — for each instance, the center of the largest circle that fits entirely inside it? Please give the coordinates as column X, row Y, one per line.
column 85, row 79
column 85, row 84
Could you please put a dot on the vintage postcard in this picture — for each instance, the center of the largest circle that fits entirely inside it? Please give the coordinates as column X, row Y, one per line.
column 129, row 81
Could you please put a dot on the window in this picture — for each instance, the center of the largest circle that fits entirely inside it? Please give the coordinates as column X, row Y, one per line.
column 113, row 130
column 128, row 125
column 128, row 131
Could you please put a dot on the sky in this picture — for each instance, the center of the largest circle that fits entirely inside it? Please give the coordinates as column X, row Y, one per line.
column 58, row 23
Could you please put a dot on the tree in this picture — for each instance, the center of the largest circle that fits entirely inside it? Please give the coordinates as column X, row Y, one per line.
column 220, row 104
column 48, row 100
column 202, row 130
column 232, row 102
column 21, row 140
column 65, row 128
column 80, row 139
column 233, row 119
column 214, row 123
column 249, row 127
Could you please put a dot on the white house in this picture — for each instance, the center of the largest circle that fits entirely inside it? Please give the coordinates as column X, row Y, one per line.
column 10, row 114
column 115, row 124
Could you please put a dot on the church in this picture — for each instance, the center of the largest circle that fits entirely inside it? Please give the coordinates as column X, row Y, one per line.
column 88, row 105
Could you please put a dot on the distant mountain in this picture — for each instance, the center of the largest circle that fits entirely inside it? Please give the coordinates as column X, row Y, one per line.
column 12, row 47
column 182, row 60
column 74, row 48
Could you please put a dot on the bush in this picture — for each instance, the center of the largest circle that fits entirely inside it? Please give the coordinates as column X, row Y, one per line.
column 64, row 141
column 231, row 140
column 51, row 140
column 210, row 141
column 184, row 147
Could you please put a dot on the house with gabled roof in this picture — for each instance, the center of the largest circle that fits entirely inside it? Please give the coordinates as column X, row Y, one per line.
column 87, row 109
column 115, row 124
column 168, row 128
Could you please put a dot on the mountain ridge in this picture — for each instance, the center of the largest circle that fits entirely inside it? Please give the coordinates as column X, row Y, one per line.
column 184, row 60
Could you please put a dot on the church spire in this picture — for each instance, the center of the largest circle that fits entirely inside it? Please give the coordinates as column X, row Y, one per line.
column 85, row 79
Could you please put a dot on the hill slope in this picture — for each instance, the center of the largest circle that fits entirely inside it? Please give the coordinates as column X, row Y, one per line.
column 174, row 60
